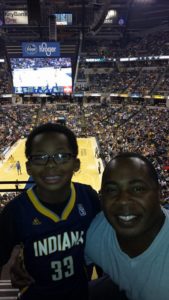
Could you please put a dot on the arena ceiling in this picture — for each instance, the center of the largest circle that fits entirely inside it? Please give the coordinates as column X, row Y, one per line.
column 133, row 18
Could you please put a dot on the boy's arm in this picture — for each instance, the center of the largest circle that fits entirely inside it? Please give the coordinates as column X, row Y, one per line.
column 20, row 278
column 7, row 235
column 10, row 252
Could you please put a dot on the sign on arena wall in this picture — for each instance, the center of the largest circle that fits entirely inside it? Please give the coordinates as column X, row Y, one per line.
column 40, row 49
column 167, row 103
column 67, row 89
column 18, row 17
column 16, row 99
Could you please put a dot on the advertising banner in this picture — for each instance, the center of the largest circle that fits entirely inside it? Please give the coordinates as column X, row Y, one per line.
column 17, row 17
column 158, row 97
column 40, row 49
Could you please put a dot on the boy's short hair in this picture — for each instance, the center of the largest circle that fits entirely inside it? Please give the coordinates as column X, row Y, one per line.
column 51, row 127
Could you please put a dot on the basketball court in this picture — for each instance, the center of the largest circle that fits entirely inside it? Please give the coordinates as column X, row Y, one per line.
column 88, row 172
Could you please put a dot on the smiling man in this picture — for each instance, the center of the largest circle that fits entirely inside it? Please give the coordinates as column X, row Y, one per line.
column 130, row 241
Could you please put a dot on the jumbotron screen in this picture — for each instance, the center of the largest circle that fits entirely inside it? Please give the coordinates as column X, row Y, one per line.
column 63, row 18
column 41, row 75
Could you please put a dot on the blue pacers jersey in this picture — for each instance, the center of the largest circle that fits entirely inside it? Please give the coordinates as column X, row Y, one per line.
column 54, row 245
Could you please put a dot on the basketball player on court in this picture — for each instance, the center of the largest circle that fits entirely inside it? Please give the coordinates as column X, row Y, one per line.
column 18, row 167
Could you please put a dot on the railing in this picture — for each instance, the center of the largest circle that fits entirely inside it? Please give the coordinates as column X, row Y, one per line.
column 78, row 60
column 16, row 183
column 7, row 292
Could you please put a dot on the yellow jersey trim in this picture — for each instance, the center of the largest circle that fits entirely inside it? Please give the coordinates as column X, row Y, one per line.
column 47, row 212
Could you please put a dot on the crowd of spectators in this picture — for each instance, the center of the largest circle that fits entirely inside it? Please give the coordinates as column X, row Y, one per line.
column 116, row 127
column 128, row 128
column 5, row 79
column 5, row 198
column 142, row 81
column 143, row 76
column 25, row 63
column 146, row 74
column 15, row 122
column 151, row 44
column 163, row 86
column 134, row 78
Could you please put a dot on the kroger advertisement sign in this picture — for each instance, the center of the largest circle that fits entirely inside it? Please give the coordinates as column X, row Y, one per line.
column 43, row 49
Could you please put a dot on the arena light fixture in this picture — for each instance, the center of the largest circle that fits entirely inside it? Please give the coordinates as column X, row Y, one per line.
column 111, row 15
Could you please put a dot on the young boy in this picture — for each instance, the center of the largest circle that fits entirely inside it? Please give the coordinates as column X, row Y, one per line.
column 51, row 218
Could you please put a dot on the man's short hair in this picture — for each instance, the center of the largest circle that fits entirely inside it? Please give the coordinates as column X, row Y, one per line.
column 123, row 155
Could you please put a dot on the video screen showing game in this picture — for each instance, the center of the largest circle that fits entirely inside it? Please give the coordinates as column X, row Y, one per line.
column 41, row 75
column 63, row 18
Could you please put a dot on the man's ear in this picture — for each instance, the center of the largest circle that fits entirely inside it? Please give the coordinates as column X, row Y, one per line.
column 28, row 168
column 77, row 165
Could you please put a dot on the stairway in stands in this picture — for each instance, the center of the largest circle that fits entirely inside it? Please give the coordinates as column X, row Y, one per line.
column 6, row 291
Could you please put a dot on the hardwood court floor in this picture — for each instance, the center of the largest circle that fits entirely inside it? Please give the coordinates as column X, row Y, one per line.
column 88, row 172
